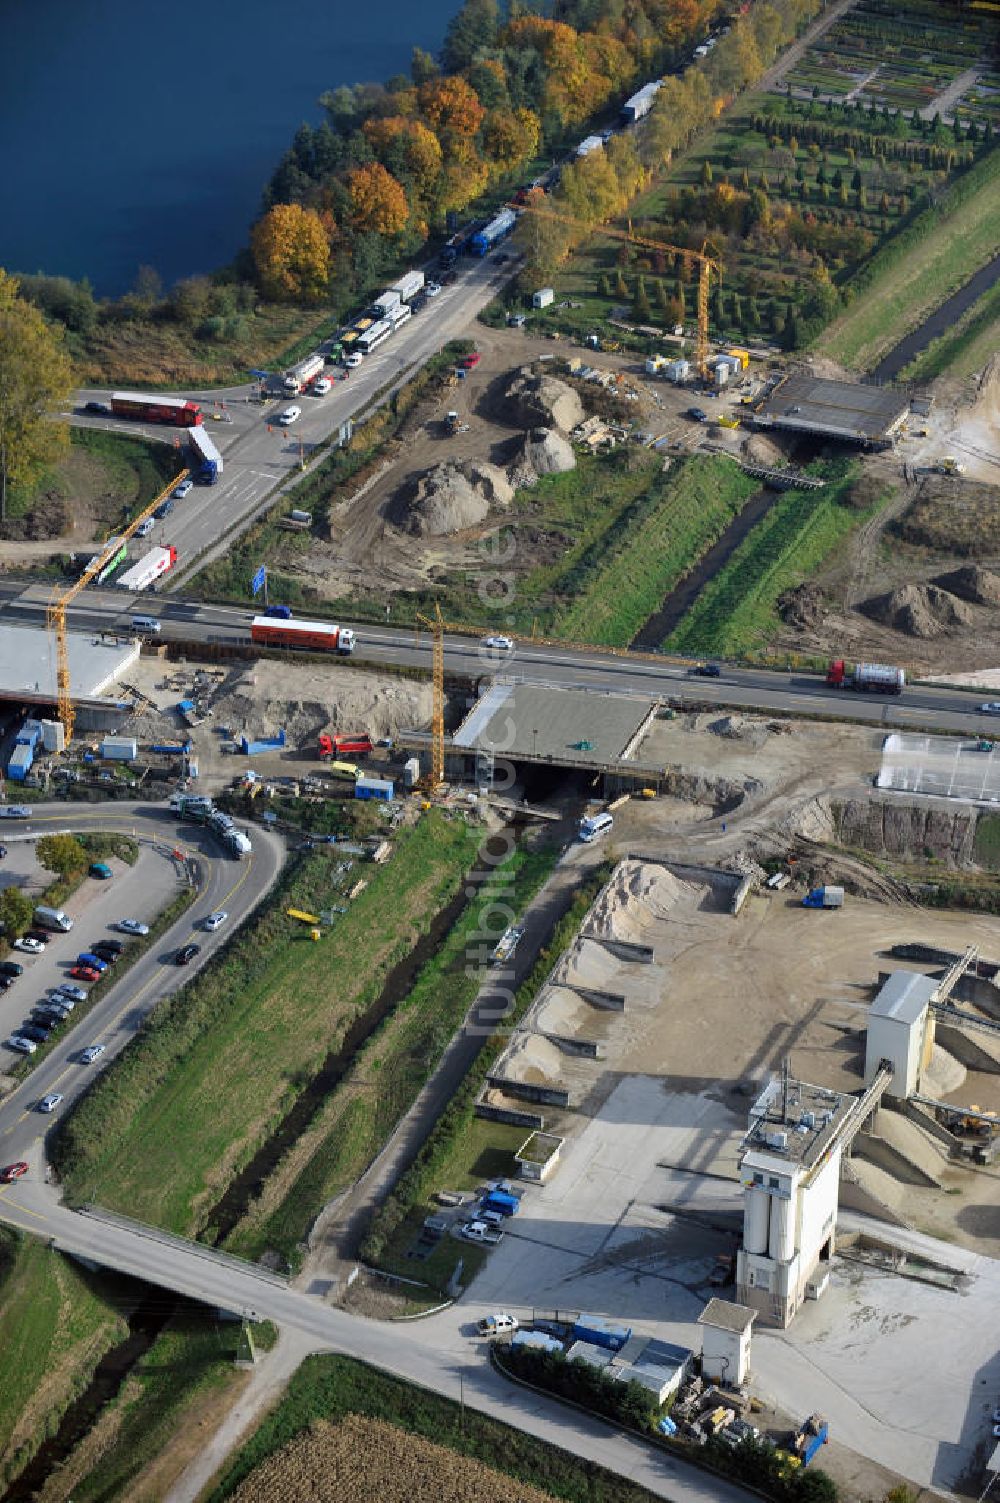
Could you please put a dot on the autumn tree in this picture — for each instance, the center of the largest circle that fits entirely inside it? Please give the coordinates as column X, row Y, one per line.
column 378, row 201
column 62, row 854
column 450, row 104
column 291, row 252
column 511, row 137
column 409, row 147
column 16, row 911
column 35, row 379
column 472, row 30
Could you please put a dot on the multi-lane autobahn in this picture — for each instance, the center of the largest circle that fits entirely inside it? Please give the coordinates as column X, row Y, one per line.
column 919, row 707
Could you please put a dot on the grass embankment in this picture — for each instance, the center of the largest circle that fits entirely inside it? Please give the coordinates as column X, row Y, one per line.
column 735, row 612
column 141, row 1441
column 136, row 468
column 54, row 1329
column 919, row 268
column 331, row 1388
column 153, row 352
column 674, row 525
column 218, row 1065
column 966, row 347
column 387, row 1075
column 461, row 1148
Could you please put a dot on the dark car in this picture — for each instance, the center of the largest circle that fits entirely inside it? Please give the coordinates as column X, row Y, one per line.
column 33, row 1031
column 5, row 982
column 697, row 414
column 100, row 408
column 164, row 509
column 42, row 935
column 11, row 968
column 707, row 670
column 280, row 612
column 3, row 852
column 48, row 1017
column 108, row 947
column 109, row 956
column 186, row 954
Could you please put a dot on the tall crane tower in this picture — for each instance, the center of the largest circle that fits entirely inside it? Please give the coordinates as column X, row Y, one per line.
column 437, row 628
column 55, row 613
column 708, row 260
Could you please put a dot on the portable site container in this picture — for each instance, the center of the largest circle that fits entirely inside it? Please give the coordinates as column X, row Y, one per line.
column 20, row 763
column 601, row 1332
column 543, row 298
column 119, row 748
column 374, row 788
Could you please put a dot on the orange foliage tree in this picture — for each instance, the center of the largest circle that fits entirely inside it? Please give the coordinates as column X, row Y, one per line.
column 420, row 147
column 451, row 104
column 511, row 137
column 378, row 202
column 291, row 251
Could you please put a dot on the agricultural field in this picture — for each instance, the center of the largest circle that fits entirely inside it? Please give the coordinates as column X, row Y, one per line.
column 55, row 1325
column 480, row 1456
column 900, row 59
column 792, row 191
column 156, row 1136
column 735, row 614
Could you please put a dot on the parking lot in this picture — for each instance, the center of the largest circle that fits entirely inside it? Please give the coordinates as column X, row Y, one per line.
column 139, row 892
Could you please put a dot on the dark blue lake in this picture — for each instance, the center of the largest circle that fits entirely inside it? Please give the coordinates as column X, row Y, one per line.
column 139, row 132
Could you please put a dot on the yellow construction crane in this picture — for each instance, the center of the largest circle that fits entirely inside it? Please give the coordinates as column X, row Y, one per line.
column 437, row 716
column 707, row 258
column 55, row 614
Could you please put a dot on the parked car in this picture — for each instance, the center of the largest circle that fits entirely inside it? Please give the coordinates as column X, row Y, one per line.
column 34, row 1031
column 11, row 968
column 353, row 361
column 92, row 1052
column 111, row 946
column 42, row 935
column 3, row 852
column 87, row 957
column 164, row 509
column 145, row 527
column 186, row 954
column 28, row 946
column 50, row 1102
column 109, row 957
column 132, row 926
column 10, row 1172
column 21, row 1045
column 100, row 869
column 479, row 1231
column 182, row 490
column 216, row 920
column 71, row 993
column 469, row 362
column 499, row 644
column 289, row 416
column 85, row 973
column 432, row 289
column 697, row 414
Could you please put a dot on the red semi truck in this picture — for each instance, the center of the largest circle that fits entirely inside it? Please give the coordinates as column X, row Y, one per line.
column 321, row 635
column 337, row 745
column 870, row 678
column 151, row 409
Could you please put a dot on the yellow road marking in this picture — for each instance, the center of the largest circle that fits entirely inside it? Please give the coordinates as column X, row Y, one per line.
column 239, row 882
column 27, row 1211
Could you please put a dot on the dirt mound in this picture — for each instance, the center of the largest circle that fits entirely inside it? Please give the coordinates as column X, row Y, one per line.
column 452, row 497
column 973, row 583
column 541, row 401
column 282, row 696
column 802, row 607
column 918, row 610
column 760, row 450
column 543, row 451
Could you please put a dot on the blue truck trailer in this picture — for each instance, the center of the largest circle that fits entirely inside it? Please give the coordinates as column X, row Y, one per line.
column 491, row 234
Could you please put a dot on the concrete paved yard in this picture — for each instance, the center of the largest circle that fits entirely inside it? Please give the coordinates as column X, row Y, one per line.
column 943, row 765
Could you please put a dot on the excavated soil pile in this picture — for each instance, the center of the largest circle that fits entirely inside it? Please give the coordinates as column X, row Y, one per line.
column 363, row 1460
column 452, row 497
column 971, row 582
column 638, row 895
column 267, row 701
column 918, row 610
column 951, row 516
column 802, row 607
column 760, row 450
column 543, row 451
column 542, row 401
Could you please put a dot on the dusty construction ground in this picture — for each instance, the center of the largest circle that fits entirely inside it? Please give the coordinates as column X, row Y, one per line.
column 646, row 1200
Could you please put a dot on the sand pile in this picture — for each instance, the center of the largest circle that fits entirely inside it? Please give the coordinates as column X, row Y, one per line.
column 452, row 497
column 542, row 401
column 542, row 451
column 562, row 1012
column 973, row 583
column 919, row 610
column 283, row 695
column 943, row 1075
column 737, row 728
column 533, row 1060
column 589, row 964
column 639, row 893
column 760, row 450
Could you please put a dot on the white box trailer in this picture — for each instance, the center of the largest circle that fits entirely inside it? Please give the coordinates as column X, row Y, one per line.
column 149, row 569
column 301, row 374
column 543, row 298
column 407, row 287
column 385, row 304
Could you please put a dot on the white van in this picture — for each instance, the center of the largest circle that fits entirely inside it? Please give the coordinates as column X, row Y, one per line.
column 146, row 626
column 595, row 825
column 53, row 918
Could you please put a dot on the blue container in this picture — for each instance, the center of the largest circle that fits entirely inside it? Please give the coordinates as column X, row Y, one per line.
column 30, row 734
column 374, row 788
column 507, row 1205
column 20, row 763
column 606, row 1333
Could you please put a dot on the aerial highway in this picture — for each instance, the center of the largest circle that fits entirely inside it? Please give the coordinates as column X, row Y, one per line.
column 260, row 455
column 924, row 707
